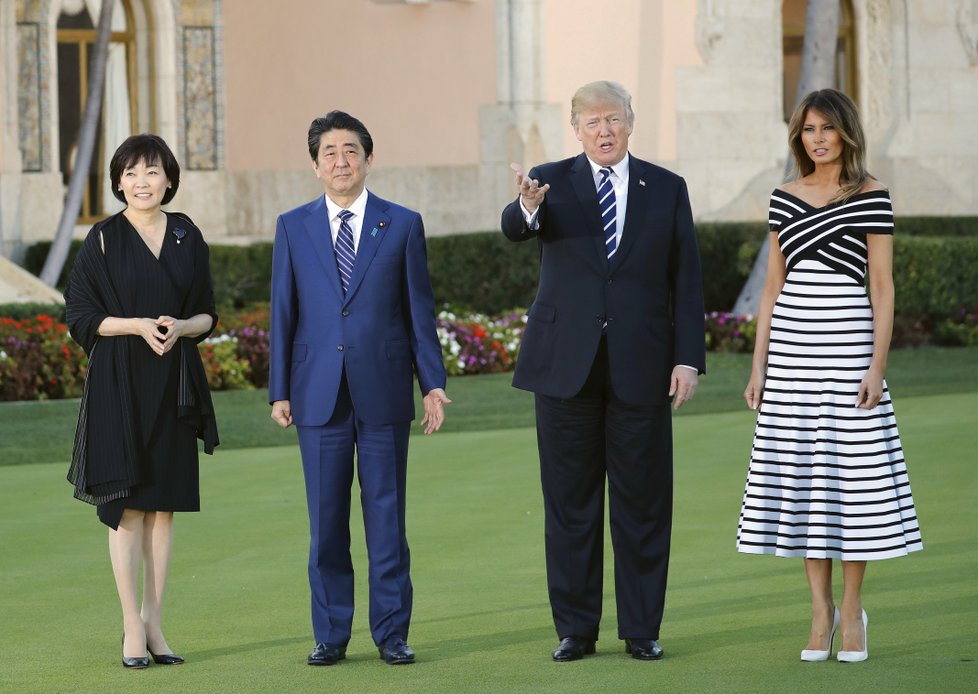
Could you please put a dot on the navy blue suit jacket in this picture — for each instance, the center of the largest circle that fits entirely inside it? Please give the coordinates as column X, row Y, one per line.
column 381, row 331
column 650, row 294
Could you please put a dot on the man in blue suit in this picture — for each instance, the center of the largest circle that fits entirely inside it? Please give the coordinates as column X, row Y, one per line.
column 352, row 320
column 615, row 331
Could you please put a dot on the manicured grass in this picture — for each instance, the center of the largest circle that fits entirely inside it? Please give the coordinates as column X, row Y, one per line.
column 43, row 431
column 238, row 596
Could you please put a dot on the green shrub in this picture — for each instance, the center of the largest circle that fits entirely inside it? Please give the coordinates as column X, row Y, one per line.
column 486, row 273
column 242, row 274
column 935, row 277
column 483, row 272
column 36, row 254
column 727, row 252
column 937, row 226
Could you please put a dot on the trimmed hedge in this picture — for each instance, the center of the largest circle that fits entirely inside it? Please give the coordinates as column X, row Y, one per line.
column 935, row 277
column 933, row 266
column 937, row 226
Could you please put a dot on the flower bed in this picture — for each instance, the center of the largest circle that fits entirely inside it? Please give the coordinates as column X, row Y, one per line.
column 477, row 344
column 39, row 360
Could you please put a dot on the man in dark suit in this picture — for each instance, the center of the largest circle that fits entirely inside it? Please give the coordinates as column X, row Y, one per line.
column 616, row 329
column 352, row 317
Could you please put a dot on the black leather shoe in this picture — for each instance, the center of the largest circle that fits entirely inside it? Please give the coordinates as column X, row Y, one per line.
column 573, row 648
column 166, row 658
column 326, row 654
column 134, row 663
column 643, row 649
column 396, row 652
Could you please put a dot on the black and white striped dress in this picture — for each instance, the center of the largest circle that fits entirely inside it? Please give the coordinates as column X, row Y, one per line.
column 826, row 480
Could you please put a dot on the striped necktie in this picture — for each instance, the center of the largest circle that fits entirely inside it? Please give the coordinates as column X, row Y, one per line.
column 608, row 207
column 345, row 252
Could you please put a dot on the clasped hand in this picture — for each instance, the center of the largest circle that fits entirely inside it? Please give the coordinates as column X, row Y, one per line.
column 162, row 333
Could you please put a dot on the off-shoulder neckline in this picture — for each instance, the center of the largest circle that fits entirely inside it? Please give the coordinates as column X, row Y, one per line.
column 878, row 191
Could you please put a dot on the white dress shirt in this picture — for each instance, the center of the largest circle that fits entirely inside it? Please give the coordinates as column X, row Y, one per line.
column 619, row 179
column 358, row 208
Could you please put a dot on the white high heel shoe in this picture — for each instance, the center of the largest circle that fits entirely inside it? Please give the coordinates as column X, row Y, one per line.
column 811, row 656
column 858, row 656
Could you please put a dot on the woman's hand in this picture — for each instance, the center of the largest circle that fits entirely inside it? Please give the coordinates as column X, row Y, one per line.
column 174, row 330
column 870, row 390
column 755, row 387
column 149, row 330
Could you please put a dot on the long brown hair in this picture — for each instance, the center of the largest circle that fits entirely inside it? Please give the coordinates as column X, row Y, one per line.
column 839, row 110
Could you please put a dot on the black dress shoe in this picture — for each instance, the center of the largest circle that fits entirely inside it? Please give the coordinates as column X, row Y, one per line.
column 573, row 648
column 166, row 658
column 326, row 654
column 133, row 663
column 643, row 649
column 396, row 652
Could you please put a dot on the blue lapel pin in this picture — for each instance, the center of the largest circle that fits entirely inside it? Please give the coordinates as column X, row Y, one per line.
column 374, row 232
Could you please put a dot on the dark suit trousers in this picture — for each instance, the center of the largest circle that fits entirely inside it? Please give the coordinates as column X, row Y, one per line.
column 381, row 463
column 582, row 440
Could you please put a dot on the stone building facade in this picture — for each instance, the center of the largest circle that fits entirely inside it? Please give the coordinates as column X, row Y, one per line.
column 455, row 90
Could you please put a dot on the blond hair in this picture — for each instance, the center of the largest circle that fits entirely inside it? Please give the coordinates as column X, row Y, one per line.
column 600, row 93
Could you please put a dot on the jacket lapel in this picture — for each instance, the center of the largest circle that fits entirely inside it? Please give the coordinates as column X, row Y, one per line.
column 638, row 205
column 376, row 224
column 321, row 238
column 582, row 180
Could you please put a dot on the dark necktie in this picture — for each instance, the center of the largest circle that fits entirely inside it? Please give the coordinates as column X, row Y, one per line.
column 608, row 206
column 345, row 252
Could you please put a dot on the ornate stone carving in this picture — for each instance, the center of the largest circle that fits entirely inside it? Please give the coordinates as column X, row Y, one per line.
column 968, row 30
column 709, row 27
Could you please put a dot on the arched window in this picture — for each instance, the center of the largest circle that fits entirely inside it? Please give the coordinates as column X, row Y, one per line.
column 793, row 33
column 76, row 44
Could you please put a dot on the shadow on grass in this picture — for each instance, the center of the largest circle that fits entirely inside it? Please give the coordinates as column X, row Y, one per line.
column 239, row 649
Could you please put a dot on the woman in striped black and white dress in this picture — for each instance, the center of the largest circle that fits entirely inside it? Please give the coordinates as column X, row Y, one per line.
column 827, row 477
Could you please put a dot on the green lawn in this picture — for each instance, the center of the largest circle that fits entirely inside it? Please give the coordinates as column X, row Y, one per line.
column 43, row 431
column 238, row 596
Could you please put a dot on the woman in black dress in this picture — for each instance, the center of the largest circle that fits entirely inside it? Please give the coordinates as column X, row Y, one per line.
column 139, row 299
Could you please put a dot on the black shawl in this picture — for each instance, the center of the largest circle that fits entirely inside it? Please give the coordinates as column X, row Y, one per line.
column 105, row 419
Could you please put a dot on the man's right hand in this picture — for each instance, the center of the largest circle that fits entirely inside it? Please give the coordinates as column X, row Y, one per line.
column 531, row 193
column 282, row 413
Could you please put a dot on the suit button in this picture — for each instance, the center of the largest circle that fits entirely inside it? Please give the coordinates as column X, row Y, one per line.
column 345, row 313
column 610, row 280
column 339, row 347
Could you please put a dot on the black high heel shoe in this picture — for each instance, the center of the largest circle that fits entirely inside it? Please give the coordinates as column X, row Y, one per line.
column 133, row 663
column 165, row 658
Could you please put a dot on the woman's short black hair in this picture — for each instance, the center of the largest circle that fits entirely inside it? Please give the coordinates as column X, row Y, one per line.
column 338, row 120
column 149, row 149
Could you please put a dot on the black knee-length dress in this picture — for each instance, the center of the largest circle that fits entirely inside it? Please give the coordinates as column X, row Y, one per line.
column 164, row 439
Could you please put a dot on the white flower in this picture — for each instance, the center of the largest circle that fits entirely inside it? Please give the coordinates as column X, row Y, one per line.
column 218, row 339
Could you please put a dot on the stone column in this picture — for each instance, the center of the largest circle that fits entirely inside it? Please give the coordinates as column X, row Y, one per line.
column 10, row 162
column 520, row 127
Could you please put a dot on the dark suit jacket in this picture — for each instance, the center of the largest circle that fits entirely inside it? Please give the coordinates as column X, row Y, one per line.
column 650, row 294
column 382, row 330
